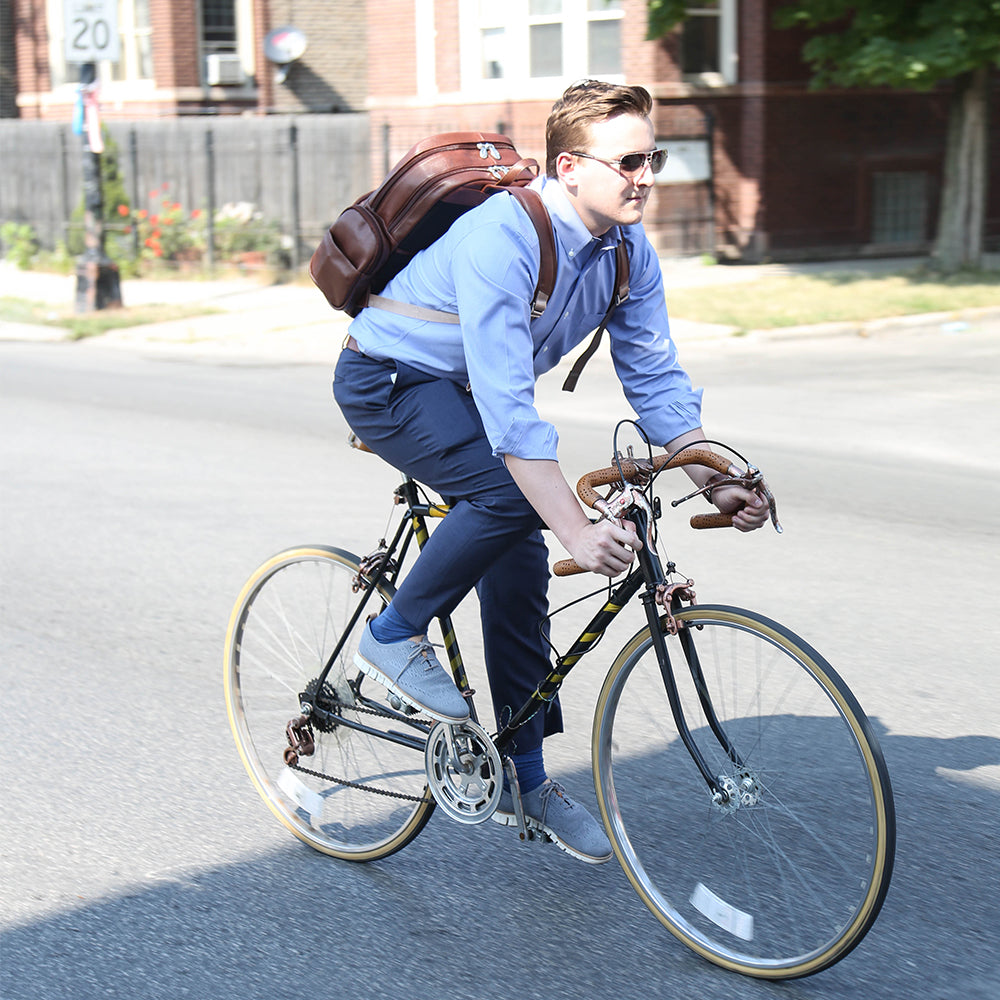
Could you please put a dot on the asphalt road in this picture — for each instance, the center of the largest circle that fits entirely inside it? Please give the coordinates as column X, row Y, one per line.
column 137, row 493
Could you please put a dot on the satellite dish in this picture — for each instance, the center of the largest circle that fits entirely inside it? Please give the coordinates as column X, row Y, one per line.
column 283, row 46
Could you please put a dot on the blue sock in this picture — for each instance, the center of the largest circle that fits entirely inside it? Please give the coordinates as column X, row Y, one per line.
column 390, row 626
column 530, row 769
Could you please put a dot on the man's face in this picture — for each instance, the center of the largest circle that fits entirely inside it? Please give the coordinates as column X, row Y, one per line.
column 602, row 194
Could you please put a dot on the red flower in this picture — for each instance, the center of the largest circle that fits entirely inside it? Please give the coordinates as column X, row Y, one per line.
column 154, row 220
column 157, row 252
column 123, row 209
column 157, row 234
column 142, row 213
column 195, row 213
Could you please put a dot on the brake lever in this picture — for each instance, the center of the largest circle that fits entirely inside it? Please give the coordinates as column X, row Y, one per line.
column 753, row 480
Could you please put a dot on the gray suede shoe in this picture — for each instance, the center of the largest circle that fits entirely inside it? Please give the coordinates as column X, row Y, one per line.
column 548, row 808
column 411, row 671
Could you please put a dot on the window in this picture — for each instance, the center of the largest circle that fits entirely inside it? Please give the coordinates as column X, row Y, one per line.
column 137, row 42
column 708, row 42
column 226, row 42
column 218, row 26
column 136, row 62
column 545, row 38
column 899, row 207
column 521, row 41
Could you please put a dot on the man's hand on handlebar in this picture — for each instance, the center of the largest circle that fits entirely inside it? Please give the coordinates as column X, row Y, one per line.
column 749, row 509
column 607, row 546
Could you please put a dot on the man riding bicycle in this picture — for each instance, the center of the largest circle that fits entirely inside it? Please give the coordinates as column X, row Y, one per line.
column 452, row 405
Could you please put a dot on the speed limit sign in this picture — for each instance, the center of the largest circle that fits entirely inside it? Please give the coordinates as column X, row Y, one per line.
column 92, row 30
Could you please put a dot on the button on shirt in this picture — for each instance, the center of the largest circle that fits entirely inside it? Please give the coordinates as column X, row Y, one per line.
column 485, row 269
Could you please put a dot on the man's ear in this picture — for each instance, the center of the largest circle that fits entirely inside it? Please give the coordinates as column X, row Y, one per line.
column 566, row 165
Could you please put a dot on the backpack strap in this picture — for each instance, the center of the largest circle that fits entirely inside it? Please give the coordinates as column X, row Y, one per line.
column 531, row 201
column 620, row 294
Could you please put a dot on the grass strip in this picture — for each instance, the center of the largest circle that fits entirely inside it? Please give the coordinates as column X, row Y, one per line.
column 799, row 300
column 82, row 325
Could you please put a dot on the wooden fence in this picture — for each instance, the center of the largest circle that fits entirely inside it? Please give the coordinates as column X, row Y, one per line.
column 297, row 171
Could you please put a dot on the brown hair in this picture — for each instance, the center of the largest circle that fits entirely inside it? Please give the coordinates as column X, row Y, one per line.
column 580, row 106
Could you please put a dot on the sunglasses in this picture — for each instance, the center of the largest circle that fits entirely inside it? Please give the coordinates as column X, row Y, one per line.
column 632, row 163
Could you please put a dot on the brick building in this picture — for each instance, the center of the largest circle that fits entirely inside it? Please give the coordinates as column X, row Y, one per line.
column 760, row 166
column 193, row 57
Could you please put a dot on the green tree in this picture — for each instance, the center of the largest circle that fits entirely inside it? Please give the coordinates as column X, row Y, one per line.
column 911, row 44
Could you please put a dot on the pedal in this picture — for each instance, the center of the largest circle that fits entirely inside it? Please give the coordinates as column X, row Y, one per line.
column 398, row 705
column 524, row 832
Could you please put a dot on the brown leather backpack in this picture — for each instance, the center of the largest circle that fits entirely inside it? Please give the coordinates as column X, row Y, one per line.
column 439, row 179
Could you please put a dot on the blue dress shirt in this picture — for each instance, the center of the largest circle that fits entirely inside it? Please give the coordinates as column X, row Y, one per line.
column 485, row 269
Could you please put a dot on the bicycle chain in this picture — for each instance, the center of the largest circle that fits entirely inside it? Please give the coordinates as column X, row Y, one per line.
column 356, row 784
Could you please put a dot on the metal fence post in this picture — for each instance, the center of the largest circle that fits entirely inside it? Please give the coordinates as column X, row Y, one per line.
column 210, row 197
column 293, row 141
column 133, row 156
column 67, row 210
column 710, row 134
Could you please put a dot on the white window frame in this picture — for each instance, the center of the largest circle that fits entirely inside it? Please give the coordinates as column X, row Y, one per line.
column 728, row 72
column 515, row 19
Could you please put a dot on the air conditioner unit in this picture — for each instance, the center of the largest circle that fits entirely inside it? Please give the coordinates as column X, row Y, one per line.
column 223, row 69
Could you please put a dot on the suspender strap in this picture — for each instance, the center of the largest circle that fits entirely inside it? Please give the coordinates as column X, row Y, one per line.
column 620, row 294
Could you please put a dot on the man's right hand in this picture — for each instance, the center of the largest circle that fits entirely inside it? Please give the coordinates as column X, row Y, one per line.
column 606, row 547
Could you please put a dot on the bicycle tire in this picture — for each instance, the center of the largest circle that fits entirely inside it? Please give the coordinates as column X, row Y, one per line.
column 361, row 796
column 788, row 883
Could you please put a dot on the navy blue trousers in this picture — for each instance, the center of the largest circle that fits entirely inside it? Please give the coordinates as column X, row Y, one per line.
column 430, row 429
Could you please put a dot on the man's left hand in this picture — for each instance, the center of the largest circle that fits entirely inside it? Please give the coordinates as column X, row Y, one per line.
column 749, row 509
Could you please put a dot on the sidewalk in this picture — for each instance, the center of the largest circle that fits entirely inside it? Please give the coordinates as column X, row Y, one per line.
column 293, row 322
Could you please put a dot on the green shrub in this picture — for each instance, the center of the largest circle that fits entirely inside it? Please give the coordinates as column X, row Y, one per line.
column 19, row 243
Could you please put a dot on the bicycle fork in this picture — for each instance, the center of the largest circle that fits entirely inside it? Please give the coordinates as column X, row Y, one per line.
column 657, row 595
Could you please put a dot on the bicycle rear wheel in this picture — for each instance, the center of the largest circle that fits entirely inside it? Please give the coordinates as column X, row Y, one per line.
column 363, row 793
column 790, row 879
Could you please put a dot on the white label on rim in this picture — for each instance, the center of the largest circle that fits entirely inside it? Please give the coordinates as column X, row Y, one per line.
column 303, row 796
column 721, row 913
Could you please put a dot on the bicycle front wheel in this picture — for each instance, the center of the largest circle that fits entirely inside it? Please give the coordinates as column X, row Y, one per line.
column 362, row 793
column 787, row 876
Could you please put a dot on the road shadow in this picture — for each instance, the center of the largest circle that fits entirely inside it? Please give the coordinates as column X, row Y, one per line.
column 469, row 913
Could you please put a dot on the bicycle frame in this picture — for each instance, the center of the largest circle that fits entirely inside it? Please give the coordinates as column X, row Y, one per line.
column 649, row 574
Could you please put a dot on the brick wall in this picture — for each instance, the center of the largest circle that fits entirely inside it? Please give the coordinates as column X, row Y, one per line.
column 822, row 152
column 31, row 48
column 332, row 74
column 392, row 56
column 175, row 43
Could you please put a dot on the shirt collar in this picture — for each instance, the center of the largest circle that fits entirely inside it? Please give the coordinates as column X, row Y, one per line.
column 574, row 236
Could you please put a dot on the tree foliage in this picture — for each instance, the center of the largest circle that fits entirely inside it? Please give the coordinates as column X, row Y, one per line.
column 664, row 16
column 912, row 44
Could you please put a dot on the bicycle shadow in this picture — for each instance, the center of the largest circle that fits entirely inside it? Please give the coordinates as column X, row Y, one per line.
column 469, row 912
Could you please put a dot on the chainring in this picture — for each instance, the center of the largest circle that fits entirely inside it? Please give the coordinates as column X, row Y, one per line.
column 464, row 771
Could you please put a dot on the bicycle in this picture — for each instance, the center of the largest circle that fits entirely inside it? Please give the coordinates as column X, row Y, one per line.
column 740, row 783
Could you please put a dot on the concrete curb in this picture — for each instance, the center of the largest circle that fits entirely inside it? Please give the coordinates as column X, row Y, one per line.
column 947, row 322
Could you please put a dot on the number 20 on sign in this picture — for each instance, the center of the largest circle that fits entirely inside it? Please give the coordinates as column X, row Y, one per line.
column 91, row 30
